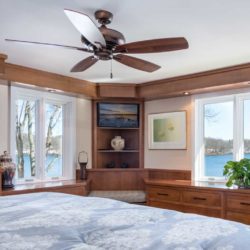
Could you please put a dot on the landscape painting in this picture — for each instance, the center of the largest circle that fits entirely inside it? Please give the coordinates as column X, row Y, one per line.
column 167, row 130
column 118, row 115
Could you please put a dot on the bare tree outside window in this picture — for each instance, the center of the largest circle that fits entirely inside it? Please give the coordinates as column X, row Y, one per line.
column 54, row 129
column 25, row 137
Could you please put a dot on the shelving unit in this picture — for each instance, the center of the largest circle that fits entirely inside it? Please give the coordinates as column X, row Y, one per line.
column 103, row 154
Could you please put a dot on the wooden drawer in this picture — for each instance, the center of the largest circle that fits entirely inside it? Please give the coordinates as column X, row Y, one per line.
column 238, row 202
column 202, row 198
column 166, row 205
column 240, row 217
column 164, row 194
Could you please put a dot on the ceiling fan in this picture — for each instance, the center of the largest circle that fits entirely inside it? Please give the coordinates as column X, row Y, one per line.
column 107, row 44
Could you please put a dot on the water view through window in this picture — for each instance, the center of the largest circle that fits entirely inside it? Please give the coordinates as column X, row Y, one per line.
column 53, row 140
column 218, row 133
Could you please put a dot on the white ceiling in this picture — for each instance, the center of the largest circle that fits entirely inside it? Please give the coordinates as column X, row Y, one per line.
column 217, row 32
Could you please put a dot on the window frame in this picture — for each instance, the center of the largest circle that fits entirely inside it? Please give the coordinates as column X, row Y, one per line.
column 69, row 130
column 238, row 130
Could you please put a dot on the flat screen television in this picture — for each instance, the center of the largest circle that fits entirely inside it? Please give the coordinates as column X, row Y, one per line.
column 118, row 115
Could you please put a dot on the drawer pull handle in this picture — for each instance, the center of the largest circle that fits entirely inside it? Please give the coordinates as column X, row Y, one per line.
column 199, row 198
column 162, row 194
column 245, row 203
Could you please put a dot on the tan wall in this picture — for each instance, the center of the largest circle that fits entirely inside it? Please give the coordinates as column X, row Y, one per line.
column 84, row 128
column 169, row 159
column 4, row 117
column 83, row 124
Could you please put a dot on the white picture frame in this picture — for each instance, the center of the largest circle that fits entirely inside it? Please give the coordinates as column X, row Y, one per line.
column 167, row 130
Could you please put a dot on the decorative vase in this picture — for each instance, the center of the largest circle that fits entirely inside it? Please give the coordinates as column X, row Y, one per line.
column 118, row 143
column 9, row 169
column 83, row 161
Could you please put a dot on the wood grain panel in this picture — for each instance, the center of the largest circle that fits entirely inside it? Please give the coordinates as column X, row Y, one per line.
column 68, row 187
column 219, row 79
column 2, row 63
column 117, row 90
column 117, row 179
column 1, row 171
column 124, row 179
column 169, row 174
column 45, row 79
column 240, row 217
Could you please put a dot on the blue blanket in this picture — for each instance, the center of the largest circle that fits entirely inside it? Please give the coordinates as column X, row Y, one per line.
column 60, row 221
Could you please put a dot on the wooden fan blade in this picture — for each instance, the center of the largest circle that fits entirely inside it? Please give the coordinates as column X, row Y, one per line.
column 136, row 63
column 84, row 64
column 86, row 27
column 49, row 44
column 153, row 46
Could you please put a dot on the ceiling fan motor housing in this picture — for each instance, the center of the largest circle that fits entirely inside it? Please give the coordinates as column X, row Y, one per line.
column 112, row 37
column 103, row 17
column 103, row 54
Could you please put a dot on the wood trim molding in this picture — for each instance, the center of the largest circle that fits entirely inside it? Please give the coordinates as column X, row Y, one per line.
column 2, row 64
column 213, row 80
column 116, row 90
column 44, row 79
column 131, row 178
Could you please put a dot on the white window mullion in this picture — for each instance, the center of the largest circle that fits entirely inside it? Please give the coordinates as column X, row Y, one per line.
column 199, row 141
column 238, row 128
column 40, row 141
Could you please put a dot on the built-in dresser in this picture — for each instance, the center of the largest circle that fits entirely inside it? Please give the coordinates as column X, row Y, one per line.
column 203, row 198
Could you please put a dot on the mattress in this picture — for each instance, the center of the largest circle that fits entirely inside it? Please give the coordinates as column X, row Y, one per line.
column 60, row 221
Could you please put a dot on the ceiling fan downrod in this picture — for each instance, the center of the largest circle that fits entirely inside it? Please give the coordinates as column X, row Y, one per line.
column 111, row 68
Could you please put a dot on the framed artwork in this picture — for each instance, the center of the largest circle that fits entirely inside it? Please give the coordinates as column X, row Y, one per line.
column 118, row 115
column 167, row 130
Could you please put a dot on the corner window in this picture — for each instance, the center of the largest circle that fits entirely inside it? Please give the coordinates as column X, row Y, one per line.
column 42, row 135
column 222, row 133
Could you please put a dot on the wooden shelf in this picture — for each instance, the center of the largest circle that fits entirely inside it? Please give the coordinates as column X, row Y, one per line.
column 118, row 151
column 104, row 155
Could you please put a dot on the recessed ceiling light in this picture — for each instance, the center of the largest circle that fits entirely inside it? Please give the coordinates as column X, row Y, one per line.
column 186, row 93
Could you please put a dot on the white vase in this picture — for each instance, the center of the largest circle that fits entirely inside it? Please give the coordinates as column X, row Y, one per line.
column 118, row 143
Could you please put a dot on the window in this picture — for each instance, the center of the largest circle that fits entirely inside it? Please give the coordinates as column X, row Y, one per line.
column 42, row 135
column 222, row 133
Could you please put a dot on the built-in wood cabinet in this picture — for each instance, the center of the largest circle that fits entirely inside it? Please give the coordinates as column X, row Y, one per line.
column 200, row 198
column 74, row 187
column 104, row 155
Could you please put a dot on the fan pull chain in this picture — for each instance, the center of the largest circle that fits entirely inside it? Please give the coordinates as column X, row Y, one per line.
column 111, row 68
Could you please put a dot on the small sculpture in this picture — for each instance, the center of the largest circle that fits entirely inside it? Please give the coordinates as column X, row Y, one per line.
column 118, row 143
column 9, row 169
column 110, row 164
column 124, row 165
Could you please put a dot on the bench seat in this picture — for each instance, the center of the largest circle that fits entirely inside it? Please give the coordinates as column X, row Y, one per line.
column 130, row 196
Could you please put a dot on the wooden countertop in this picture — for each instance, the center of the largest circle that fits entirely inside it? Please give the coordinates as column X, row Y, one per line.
column 42, row 186
column 196, row 184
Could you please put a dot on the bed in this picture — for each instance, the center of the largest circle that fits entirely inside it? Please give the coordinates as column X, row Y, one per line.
column 61, row 221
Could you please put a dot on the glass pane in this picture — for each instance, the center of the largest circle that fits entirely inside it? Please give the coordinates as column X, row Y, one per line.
column 247, row 129
column 218, row 132
column 25, row 139
column 53, row 140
